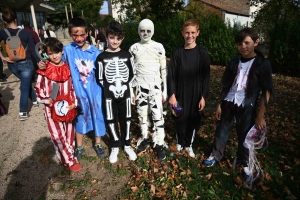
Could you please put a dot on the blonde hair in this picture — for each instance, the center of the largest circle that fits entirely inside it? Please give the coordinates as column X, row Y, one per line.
column 191, row 22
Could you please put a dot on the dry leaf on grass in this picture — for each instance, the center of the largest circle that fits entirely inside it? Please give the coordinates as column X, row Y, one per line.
column 152, row 189
column 134, row 189
column 208, row 176
column 94, row 192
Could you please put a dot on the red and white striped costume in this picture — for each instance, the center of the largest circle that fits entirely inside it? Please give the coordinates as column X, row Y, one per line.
column 62, row 133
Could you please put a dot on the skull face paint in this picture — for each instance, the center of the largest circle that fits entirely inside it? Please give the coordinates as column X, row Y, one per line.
column 79, row 35
column 146, row 30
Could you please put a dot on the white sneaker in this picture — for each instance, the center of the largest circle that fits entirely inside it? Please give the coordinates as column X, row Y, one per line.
column 178, row 147
column 114, row 155
column 190, row 151
column 130, row 153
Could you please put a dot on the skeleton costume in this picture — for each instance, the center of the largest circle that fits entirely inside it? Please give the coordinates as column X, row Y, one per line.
column 150, row 82
column 62, row 133
column 115, row 72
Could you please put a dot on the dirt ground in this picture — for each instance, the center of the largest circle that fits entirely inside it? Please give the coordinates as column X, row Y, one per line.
column 29, row 168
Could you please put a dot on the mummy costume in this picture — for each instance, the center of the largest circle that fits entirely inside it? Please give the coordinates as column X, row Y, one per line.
column 150, row 82
column 62, row 133
column 115, row 71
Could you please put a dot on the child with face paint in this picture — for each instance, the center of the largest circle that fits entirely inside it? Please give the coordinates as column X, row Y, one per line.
column 81, row 57
column 62, row 132
column 188, row 85
column 115, row 72
column 151, row 86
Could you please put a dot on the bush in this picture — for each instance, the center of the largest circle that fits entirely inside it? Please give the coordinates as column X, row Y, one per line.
column 215, row 36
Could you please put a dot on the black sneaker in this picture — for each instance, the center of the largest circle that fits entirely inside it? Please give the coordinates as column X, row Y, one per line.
column 99, row 150
column 23, row 116
column 160, row 150
column 142, row 145
column 79, row 152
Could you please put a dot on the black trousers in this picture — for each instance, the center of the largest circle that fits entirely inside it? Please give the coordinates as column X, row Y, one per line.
column 245, row 119
column 118, row 111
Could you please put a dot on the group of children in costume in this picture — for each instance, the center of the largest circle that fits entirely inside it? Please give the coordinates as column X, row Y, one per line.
column 140, row 77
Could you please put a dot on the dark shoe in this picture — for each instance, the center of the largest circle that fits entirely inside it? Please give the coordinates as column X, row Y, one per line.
column 99, row 150
column 23, row 116
column 35, row 104
column 76, row 167
column 79, row 152
column 3, row 79
column 210, row 161
column 142, row 145
column 160, row 150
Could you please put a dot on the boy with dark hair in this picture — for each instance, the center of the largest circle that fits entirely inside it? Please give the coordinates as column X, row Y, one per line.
column 80, row 56
column 115, row 71
column 244, row 77
column 188, row 85
column 62, row 131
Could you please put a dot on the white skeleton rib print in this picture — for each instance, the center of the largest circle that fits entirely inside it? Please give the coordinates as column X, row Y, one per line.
column 116, row 71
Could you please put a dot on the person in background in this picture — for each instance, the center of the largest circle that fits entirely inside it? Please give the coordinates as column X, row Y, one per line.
column 22, row 69
column 49, row 33
column 3, row 76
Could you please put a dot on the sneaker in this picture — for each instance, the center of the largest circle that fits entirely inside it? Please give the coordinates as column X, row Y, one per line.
column 35, row 104
column 246, row 174
column 79, row 152
column 99, row 150
column 210, row 161
column 190, row 151
column 161, row 154
column 114, row 155
column 23, row 116
column 178, row 147
column 130, row 153
column 76, row 167
column 142, row 145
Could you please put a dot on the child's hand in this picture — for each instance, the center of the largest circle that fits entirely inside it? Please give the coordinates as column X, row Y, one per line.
column 201, row 104
column 41, row 65
column 70, row 107
column 133, row 100
column 218, row 112
column 50, row 101
column 260, row 123
column 173, row 101
column 7, row 60
column 163, row 99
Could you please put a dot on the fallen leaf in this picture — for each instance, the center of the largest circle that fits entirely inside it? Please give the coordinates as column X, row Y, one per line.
column 238, row 180
column 155, row 170
column 152, row 189
column 188, row 172
column 264, row 188
column 268, row 177
column 178, row 186
column 208, row 176
column 226, row 174
column 94, row 192
column 134, row 189
column 94, row 181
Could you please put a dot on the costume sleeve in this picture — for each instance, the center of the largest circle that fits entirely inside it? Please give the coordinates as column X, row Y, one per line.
column 99, row 70
column 205, row 74
column 163, row 69
column 171, row 76
column 266, row 81
column 42, row 89
column 132, row 73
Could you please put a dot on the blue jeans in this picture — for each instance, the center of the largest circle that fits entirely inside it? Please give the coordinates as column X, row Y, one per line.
column 24, row 71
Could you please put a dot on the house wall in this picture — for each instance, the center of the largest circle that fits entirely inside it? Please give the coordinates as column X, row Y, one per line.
column 239, row 20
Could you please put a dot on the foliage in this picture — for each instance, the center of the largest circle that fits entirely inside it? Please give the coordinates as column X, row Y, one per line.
column 215, row 35
column 89, row 8
column 156, row 10
column 278, row 24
